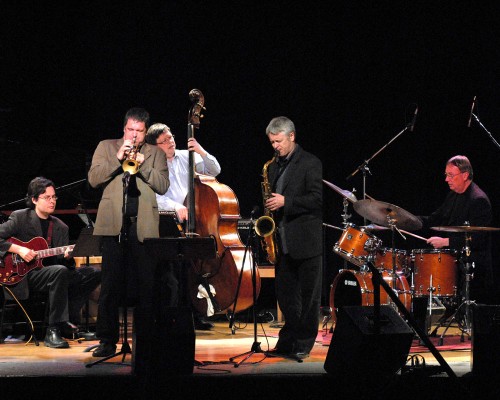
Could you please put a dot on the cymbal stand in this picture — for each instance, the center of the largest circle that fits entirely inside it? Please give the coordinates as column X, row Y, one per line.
column 345, row 218
column 466, row 302
column 393, row 227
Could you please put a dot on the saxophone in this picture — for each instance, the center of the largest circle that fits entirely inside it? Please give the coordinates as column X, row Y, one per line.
column 265, row 226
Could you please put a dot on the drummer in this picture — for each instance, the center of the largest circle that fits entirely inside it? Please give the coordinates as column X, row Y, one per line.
column 466, row 203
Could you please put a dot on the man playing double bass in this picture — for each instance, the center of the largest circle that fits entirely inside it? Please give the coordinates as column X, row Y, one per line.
column 296, row 202
column 174, row 200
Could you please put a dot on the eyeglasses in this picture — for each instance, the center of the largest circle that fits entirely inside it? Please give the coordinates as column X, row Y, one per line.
column 451, row 176
column 167, row 140
column 48, row 198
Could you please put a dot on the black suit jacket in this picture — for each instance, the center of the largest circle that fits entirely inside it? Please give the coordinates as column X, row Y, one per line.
column 25, row 225
column 302, row 215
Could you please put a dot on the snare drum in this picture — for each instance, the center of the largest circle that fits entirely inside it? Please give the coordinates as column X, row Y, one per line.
column 436, row 270
column 352, row 288
column 355, row 245
column 383, row 259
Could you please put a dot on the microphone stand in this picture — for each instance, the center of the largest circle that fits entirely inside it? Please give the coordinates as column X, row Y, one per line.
column 486, row 130
column 364, row 166
column 58, row 189
column 256, row 344
column 123, row 240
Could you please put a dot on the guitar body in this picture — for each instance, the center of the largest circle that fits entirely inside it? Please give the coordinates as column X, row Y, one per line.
column 13, row 268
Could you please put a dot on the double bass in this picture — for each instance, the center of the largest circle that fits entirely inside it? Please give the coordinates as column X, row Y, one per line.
column 213, row 210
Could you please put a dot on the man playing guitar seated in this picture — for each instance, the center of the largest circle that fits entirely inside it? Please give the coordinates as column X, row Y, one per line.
column 28, row 236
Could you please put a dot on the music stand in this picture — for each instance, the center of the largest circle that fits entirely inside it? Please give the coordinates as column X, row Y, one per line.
column 181, row 249
column 87, row 245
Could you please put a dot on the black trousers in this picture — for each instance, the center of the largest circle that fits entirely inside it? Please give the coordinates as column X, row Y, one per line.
column 127, row 280
column 298, row 291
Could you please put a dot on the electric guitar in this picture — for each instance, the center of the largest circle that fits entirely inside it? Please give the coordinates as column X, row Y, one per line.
column 13, row 268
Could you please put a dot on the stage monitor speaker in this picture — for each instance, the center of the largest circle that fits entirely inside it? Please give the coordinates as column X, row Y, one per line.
column 168, row 348
column 485, row 346
column 358, row 354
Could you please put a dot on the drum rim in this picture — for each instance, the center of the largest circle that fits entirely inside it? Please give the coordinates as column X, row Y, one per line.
column 434, row 251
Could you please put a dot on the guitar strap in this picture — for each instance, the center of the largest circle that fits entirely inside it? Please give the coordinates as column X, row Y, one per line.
column 49, row 232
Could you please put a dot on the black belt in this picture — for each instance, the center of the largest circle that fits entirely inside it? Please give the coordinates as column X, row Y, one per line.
column 132, row 220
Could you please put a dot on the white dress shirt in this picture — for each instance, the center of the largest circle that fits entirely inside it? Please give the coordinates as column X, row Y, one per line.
column 178, row 172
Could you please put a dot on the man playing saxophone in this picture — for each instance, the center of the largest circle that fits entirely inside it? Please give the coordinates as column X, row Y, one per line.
column 296, row 203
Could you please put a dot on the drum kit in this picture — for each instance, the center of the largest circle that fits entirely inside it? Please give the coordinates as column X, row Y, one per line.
column 431, row 273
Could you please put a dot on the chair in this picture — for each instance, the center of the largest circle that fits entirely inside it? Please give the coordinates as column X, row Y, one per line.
column 9, row 305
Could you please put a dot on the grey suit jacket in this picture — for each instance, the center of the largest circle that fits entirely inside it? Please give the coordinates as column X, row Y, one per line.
column 106, row 172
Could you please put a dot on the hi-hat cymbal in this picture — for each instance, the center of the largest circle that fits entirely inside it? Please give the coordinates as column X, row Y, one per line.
column 380, row 213
column 345, row 193
column 464, row 228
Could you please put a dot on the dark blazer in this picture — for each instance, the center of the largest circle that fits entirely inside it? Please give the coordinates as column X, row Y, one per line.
column 302, row 215
column 24, row 225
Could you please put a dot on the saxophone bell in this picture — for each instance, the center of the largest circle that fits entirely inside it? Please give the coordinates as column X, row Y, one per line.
column 265, row 226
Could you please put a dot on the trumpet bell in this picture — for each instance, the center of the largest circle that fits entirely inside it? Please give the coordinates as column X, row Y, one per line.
column 265, row 226
column 131, row 166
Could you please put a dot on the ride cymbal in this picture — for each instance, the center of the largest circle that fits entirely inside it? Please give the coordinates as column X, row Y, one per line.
column 464, row 228
column 382, row 213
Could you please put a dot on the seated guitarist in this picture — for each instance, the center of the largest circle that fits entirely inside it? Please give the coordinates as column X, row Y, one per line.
column 67, row 288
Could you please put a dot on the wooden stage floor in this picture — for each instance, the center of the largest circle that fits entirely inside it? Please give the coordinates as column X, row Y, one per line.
column 26, row 370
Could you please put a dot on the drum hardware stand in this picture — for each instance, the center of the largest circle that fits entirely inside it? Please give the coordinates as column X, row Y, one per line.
column 345, row 218
column 466, row 302
column 377, row 281
column 393, row 227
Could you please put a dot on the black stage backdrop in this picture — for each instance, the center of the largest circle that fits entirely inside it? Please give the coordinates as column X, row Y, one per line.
column 348, row 73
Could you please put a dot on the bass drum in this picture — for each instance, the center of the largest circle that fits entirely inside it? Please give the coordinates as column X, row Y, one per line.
column 352, row 288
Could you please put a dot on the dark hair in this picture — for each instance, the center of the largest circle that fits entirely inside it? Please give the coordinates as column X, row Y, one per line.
column 463, row 164
column 137, row 114
column 154, row 131
column 37, row 187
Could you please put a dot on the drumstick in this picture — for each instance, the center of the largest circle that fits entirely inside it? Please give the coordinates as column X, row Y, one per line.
column 333, row 227
column 412, row 234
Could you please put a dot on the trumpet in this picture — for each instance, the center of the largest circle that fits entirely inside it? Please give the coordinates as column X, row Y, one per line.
column 130, row 164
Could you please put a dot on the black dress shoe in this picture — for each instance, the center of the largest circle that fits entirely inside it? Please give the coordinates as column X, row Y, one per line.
column 53, row 339
column 68, row 330
column 201, row 325
column 104, row 350
column 300, row 355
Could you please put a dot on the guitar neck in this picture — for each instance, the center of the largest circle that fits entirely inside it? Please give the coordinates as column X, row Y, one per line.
column 54, row 251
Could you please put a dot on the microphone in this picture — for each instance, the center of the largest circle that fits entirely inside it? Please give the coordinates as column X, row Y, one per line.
column 471, row 111
column 412, row 124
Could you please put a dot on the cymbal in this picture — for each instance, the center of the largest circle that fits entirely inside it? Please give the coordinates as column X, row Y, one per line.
column 464, row 228
column 345, row 193
column 378, row 212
